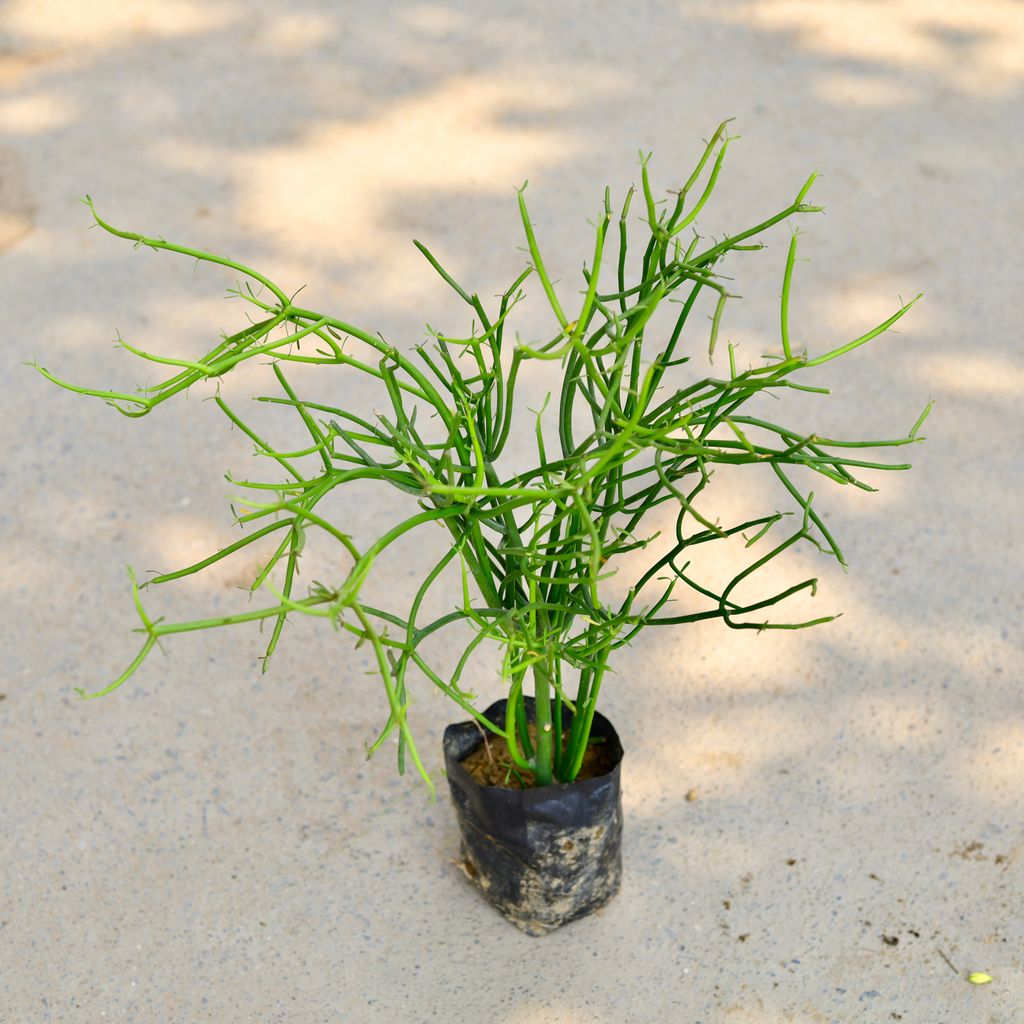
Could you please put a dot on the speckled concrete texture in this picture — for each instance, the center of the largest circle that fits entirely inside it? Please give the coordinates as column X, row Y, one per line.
column 209, row 844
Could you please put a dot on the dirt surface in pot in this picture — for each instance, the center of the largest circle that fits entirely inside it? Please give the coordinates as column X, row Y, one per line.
column 492, row 765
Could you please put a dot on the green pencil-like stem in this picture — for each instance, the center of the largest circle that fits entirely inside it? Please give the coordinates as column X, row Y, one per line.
column 543, row 760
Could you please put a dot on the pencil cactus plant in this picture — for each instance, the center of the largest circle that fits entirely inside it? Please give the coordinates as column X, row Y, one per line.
column 534, row 550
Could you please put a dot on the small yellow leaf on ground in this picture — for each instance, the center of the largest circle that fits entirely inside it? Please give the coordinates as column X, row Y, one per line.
column 978, row 978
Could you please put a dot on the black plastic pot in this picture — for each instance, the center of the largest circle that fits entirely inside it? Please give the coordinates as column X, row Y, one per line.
column 544, row 856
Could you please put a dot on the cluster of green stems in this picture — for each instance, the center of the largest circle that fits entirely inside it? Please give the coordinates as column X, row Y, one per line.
column 534, row 548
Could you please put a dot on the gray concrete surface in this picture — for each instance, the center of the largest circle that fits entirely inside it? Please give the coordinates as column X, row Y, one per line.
column 209, row 844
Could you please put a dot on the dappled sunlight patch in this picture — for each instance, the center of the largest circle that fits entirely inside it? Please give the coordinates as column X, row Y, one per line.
column 546, row 1013
column 750, row 346
column 349, row 176
column 893, row 491
column 859, row 299
column 725, row 751
column 709, row 662
column 294, row 33
column 36, row 113
column 433, row 19
column 973, row 374
column 185, row 538
column 106, row 23
column 977, row 47
column 740, row 494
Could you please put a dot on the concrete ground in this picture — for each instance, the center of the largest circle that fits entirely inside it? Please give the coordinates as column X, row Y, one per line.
column 209, row 844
